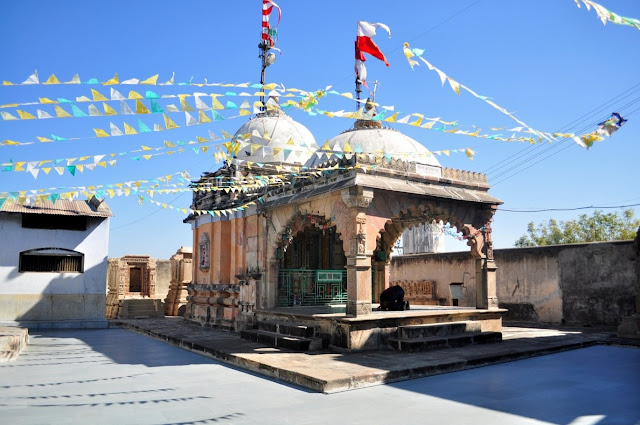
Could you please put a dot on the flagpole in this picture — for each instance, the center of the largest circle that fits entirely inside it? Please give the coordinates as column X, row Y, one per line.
column 358, row 84
column 264, row 47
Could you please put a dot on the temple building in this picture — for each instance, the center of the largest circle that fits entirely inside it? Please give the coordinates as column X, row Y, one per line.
column 291, row 236
column 318, row 230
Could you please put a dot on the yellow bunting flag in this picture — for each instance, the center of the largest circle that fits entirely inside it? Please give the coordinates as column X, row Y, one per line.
column 216, row 103
column 129, row 130
column 203, row 118
column 168, row 144
column 100, row 133
column 392, row 118
column 135, row 95
column 45, row 100
column 168, row 123
column 150, row 81
column 183, row 103
column 140, row 108
column 98, row 97
column 52, row 80
column 25, row 115
column 61, row 113
column 114, row 80
column 108, row 110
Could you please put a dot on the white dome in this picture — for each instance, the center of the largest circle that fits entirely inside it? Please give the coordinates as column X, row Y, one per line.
column 384, row 141
column 275, row 138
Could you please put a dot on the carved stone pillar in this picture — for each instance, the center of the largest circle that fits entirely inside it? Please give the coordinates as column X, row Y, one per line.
column 358, row 256
column 482, row 250
column 489, row 272
column 181, row 270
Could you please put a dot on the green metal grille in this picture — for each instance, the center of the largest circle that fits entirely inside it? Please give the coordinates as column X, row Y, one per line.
column 311, row 287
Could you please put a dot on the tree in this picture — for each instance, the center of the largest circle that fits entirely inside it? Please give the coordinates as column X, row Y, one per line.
column 597, row 227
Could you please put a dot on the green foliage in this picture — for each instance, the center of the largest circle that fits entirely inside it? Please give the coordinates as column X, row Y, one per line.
column 597, row 227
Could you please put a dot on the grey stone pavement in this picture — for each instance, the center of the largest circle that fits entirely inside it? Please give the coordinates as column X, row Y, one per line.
column 115, row 376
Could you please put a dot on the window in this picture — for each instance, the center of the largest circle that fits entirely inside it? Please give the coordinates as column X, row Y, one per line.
column 51, row 260
column 52, row 221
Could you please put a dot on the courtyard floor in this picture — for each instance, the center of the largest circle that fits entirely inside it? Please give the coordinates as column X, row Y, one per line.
column 117, row 376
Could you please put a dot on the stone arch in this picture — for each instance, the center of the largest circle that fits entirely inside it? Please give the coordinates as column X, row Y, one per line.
column 330, row 208
column 404, row 212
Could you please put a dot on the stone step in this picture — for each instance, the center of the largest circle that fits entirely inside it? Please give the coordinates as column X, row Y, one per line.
column 288, row 328
column 139, row 308
column 441, row 342
column 12, row 341
column 438, row 329
column 275, row 339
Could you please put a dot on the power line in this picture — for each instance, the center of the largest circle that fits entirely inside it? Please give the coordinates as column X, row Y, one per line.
column 554, row 147
column 568, row 209
column 525, row 151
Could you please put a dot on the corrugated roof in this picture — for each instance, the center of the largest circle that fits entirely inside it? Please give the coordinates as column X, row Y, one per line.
column 87, row 208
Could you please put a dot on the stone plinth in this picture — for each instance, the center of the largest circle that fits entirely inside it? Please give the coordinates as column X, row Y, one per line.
column 12, row 341
column 214, row 305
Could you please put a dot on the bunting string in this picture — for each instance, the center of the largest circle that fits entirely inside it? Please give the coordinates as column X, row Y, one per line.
column 606, row 15
column 456, row 86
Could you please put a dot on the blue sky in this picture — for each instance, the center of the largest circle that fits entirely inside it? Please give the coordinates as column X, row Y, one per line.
column 556, row 67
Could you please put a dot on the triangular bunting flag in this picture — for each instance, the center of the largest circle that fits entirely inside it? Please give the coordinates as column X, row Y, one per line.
column 129, row 130
column 33, row 79
column 93, row 111
column 150, row 81
column 108, row 110
column 25, row 115
column 97, row 96
column 140, row 108
column 142, row 128
column 124, row 108
column 203, row 118
column 116, row 95
column 61, row 113
column 112, row 81
column 115, row 131
column 168, row 123
column 52, row 80
column 189, row 119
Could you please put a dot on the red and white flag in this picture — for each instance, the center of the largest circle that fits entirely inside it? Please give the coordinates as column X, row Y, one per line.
column 365, row 44
column 267, row 8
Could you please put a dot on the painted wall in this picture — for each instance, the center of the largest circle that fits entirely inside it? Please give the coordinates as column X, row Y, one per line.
column 590, row 284
column 54, row 299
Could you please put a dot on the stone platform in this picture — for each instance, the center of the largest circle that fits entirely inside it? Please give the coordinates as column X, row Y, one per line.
column 330, row 372
column 373, row 331
column 12, row 341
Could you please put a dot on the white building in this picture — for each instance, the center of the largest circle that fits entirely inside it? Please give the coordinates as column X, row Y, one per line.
column 53, row 264
column 425, row 237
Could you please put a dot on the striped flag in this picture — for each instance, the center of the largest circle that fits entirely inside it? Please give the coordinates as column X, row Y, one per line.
column 267, row 8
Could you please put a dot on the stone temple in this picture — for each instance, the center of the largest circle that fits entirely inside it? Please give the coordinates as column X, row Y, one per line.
column 313, row 241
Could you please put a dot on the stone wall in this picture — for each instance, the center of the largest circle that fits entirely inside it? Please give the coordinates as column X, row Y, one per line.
column 590, row 284
column 163, row 278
